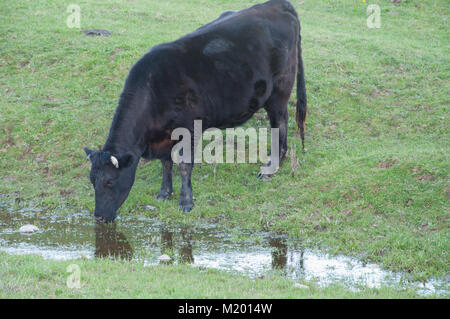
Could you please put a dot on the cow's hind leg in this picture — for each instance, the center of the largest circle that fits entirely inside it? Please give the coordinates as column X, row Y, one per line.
column 277, row 111
column 166, row 186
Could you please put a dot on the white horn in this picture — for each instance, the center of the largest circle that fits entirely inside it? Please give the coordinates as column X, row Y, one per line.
column 114, row 161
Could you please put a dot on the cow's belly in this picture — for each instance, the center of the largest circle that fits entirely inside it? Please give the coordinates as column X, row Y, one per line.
column 232, row 103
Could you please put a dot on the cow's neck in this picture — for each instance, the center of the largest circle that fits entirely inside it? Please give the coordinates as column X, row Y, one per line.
column 127, row 132
column 123, row 144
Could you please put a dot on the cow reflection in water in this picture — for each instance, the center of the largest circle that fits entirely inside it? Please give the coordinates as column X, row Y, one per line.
column 280, row 256
column 279, row 253
column 185, row 255
column 111, row 243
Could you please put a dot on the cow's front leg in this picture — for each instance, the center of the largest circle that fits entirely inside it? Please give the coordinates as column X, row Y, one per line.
column 186, row 198
column 166, row 186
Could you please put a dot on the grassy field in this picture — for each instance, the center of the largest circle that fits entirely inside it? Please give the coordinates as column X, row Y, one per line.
column 31, row 276
column 373, row 184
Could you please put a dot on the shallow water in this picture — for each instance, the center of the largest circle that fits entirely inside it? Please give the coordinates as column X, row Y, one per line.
column 254, row 254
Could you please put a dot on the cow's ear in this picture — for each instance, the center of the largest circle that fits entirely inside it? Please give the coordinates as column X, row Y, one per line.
column 125, row 160
column 88, row 152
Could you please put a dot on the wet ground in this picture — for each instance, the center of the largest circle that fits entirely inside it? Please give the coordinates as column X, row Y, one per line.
column 255, row 254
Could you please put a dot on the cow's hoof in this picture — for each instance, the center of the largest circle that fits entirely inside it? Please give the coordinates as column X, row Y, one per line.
column 162, row 196
column 264, row 177
column 186, row 208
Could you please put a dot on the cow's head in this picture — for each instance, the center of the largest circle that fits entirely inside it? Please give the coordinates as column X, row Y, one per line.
column 112, row 177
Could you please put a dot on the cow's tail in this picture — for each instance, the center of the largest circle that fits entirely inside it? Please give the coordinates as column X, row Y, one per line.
column 301, row 94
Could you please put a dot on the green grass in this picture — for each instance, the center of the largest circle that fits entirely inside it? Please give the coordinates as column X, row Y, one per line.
column 32, row 276
column 373, row 184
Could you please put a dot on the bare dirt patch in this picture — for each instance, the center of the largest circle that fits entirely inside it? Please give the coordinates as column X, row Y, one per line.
column 426, row 177
column 387, row 164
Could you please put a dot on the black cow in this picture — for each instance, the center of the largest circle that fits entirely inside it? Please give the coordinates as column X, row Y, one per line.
column 222, row 73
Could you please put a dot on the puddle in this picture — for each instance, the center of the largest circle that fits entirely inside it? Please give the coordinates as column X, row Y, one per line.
column 205, row 245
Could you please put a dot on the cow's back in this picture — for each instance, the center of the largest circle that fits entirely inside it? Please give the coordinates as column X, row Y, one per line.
column 224, row 71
